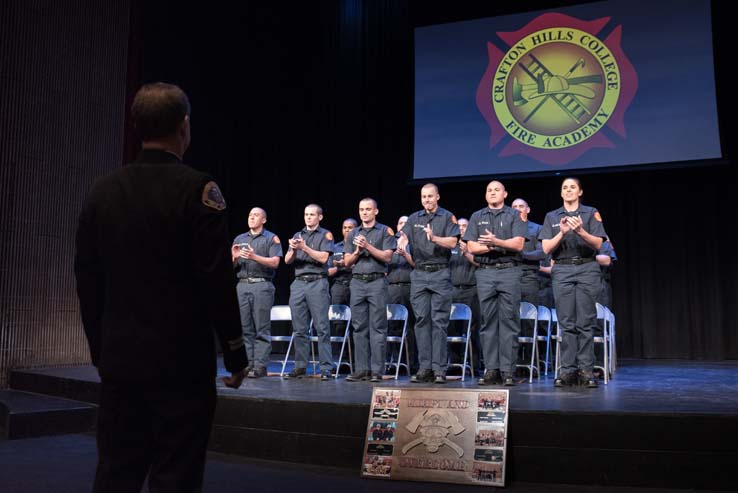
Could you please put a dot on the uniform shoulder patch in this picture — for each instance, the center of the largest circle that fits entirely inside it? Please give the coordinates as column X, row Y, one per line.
column 276, row 239
column 328, row 235
column 211, row 197
column 597, row 216
column 390, row 232
column 453, row 219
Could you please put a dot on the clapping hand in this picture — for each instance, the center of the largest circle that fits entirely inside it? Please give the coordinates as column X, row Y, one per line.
column 429, row 232
column 360, row 242
column 487, row 239
column 296, row 243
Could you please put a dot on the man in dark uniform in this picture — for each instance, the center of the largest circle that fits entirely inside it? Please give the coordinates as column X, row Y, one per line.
column 431, row 234
column 544, row 281
column 462, row 267
column 606, row 257
column 309, row 296
column 572, row 235
column 256, row 255
column 398, row 277
column 153, row 277
column 530, row 262
column 531, row 256
column 496, row 235
column 369, row 249
column 338, row 274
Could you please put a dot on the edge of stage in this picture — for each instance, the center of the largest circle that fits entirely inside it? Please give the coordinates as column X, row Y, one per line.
column 658, row 423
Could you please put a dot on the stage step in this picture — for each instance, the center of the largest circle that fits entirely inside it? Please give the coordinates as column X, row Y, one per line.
column 27, row 415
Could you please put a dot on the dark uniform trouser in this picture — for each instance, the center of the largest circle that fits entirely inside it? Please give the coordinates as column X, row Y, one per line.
column 530, row 292
column 369, row 319
column 157, row 430
column 399, row 294
column 255, row 301
column 430, row 296
column 529, row 287
column 575, row 289
column 468, row 296
column 311, row 299
column 340, row 293
column 499, row 300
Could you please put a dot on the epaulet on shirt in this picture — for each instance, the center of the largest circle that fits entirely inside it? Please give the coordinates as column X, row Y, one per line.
column 211, row 197
column 329, row 235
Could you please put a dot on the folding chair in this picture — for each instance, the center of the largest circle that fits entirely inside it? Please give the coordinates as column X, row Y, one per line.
column 398, row 312
column 335, row 313
column 460, row 311
column 604, row 339
column 282, row 313
column 557, row 338
column 613, row 349
column 544, row 317
column 528, row 311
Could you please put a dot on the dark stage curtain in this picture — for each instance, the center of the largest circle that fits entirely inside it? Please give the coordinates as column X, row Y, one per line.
column 298, row 102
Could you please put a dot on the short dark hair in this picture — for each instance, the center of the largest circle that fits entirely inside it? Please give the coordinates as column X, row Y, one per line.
column 158, row 109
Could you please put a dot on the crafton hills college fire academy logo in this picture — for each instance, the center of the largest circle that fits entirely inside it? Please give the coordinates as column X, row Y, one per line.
column 555, row 89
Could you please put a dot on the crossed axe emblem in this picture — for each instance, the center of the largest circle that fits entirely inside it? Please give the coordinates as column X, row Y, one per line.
column 547, row 86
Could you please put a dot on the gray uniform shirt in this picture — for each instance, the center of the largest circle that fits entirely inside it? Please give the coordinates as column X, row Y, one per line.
column 425, row 252
column 265, row 244
column 380, row 237
column 319, row 239
column 572, row 245
column 505, row 223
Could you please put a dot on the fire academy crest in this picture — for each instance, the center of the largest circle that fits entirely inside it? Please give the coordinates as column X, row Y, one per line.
column 555, row 88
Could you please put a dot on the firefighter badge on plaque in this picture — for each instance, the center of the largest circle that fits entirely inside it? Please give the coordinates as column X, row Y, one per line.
column 443, row 435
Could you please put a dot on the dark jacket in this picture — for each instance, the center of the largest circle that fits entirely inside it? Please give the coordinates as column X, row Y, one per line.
column 154, row 274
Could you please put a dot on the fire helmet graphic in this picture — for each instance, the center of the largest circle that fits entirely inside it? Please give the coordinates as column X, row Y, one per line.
column 556, row 88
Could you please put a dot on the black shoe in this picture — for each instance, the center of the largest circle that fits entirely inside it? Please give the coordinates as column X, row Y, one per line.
column 376, row 377
column 587, row 379
column 258, row 372
column 326, row 375
column 440, row 378
column 567, row 380
column 358, row 376
column 491, row 377
column 423, row 376
column 297, row 373
column 508, row 380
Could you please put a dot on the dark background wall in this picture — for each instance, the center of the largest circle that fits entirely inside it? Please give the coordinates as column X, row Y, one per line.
column 298, row 102
column 313, row 102
column 62, row 89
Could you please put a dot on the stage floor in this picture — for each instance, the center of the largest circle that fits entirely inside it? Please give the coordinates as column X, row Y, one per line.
column 645, row 386
column 639, row 386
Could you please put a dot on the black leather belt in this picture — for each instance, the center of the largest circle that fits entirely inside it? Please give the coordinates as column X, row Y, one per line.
column 310, row 277
column 465, row 286
column 343, row 282
column 573, row 260
column 431, row 267
column 251, row 280
column 399, row 284
column 498, row 265
column 368, row 277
